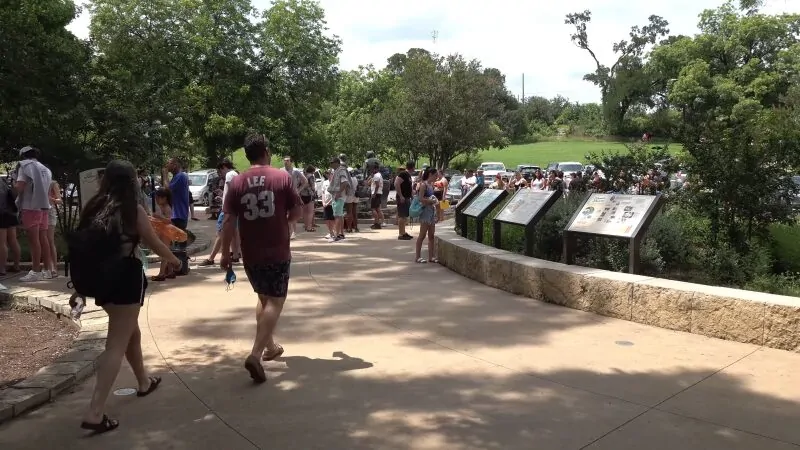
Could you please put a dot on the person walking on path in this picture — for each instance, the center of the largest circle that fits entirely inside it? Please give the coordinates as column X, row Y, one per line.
column 402, row 187
column 351, row 202
column 299, row 183
column 115, row 211
column 427, row 220
column 227, row 172
column 265, row 202
column 33, row 187
column 339, row 188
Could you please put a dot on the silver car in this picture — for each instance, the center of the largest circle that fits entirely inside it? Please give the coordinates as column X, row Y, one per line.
column 454, row 189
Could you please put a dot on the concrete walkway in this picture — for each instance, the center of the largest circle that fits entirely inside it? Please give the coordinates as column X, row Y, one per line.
column 382, row 353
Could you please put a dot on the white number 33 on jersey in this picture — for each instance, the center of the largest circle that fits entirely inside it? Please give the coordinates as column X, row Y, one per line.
column 258, row 206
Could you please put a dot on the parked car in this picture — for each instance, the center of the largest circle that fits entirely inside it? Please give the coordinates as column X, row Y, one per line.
column 528, row 170
column 454, row 189
column 568, row 168
column 202, row 184
column 490, row 169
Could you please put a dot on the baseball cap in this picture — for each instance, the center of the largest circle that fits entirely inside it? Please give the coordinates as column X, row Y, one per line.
column 335, row 161
column 25, row 149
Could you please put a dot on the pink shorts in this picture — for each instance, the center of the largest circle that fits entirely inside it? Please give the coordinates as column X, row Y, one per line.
column 34, row 219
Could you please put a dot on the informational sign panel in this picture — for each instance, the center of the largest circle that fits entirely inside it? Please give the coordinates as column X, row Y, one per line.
column 482, row 201
column 89, row 184
column 612, row 214
column 524, row 206
column 474, row 190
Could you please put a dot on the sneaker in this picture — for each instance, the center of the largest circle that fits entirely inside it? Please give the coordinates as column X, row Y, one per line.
column 327, row 236
column 54, row 273
column 47, row 275
column 405, row 237
column 293, row 235
column 32, row 276
column 340, row 237
column 206, row 263
column 375, row 226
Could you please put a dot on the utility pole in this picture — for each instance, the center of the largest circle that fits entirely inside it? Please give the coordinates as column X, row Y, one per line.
column 523, row 88
column 435, row 35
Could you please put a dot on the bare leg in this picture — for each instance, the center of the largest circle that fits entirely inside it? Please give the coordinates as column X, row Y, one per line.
column 44, row 242
column 236, row 245
column 134, row 356
column 13, row 246
column 122, row 320
column 423, row 230
column 401, row 225
column 3, row 249
column 35, row 243
column 51, row 239
column 431, row 242
column 268, row 311
column 215, row 250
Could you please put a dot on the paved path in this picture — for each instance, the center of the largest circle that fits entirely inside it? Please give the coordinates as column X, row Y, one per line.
column 382, row 353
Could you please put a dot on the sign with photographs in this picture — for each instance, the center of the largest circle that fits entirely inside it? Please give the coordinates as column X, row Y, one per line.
column 524, row 206
column 482, row 201
column 612, row 214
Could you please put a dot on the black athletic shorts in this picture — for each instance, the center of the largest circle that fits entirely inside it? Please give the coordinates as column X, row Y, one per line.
column 375, row 201
column 402, row 208
column 327, row 213
column 270, row 279
column 8, row 220
column 129, row 284
column 306, row 199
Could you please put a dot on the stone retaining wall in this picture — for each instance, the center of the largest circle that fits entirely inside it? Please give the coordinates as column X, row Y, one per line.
column 724, row 313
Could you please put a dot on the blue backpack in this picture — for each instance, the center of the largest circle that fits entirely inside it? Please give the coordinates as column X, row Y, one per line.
column 415, row 210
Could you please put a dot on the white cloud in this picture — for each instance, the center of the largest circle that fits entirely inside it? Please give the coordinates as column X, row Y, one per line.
column 515, row 36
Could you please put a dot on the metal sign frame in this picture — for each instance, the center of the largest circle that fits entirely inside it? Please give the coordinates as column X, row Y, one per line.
column 530, row 226
column 482, row 215
column 570, row 238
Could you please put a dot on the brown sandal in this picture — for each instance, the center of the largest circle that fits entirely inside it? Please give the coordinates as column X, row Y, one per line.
column 274, row 354
column 158, row 278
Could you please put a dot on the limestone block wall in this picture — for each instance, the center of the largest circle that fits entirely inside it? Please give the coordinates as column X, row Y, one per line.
column 724, row 313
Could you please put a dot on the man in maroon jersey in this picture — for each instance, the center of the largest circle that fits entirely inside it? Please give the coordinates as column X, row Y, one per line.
column 264, row 201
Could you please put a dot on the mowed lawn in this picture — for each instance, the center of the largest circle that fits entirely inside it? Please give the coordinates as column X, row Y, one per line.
column 540, row 153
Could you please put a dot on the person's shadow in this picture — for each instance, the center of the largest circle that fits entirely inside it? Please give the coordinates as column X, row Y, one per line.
column 320, row 367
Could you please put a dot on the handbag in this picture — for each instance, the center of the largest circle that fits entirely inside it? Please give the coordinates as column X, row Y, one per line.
column 415, row 210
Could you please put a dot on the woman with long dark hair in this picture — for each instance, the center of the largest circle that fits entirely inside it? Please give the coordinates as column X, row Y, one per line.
column 115, row 210
column 427, row 219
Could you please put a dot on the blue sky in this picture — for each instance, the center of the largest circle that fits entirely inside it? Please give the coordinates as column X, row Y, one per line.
column 515, row 36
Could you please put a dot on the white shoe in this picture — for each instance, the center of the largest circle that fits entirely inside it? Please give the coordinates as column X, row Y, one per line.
column 47, row 275
column 327, row 236
column 54, row 273
column 32, row 276
column 293, row 235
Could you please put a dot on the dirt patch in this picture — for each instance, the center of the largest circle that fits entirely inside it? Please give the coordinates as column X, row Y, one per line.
column 31, row 339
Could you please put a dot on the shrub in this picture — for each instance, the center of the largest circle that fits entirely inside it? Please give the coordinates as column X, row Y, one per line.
column 786, row 247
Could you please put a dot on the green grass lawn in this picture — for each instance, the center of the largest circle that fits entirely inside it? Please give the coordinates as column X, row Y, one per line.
column 540, row 153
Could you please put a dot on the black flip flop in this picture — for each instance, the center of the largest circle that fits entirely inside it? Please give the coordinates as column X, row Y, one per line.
column 154, row 382
column 104, row 426
column 253, row 365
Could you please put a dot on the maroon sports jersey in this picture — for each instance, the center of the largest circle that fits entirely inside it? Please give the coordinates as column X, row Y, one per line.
column 261, row 197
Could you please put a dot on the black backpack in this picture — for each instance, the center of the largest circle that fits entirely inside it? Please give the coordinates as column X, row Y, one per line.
column 94, row 260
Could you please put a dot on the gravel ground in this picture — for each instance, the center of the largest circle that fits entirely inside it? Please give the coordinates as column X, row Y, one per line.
column 30, row 339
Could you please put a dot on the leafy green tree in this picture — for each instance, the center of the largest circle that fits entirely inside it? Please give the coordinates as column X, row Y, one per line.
column 734, row 86
column 625, row 83
column 42, row 64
